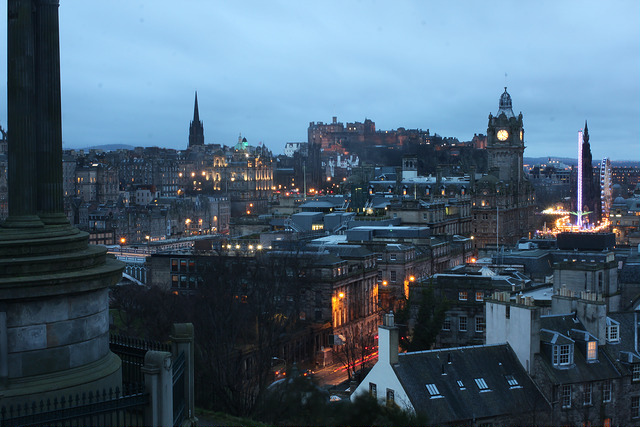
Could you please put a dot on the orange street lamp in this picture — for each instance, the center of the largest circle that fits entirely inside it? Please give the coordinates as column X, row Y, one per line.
column 341, row 295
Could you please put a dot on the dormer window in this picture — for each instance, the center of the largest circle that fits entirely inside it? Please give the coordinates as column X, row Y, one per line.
column 592, row 351
column 613, row 330
column 562, row 354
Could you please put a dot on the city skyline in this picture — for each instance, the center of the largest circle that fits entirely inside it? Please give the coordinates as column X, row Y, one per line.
column 130, row 70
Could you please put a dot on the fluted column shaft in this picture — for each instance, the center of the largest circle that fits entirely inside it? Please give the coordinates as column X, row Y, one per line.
column 21, row 115
column 49, row 119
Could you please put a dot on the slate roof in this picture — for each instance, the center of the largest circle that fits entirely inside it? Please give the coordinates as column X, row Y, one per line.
column 625, row 350
column 444, row 368
column 569, row 329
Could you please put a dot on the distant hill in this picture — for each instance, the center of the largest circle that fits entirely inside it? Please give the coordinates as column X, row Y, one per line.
column 574, row 162
column 106, row 147
column 539, row 160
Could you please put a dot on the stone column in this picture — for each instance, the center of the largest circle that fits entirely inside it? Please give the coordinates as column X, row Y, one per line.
column 21, row 116
column 183, row 339
column 158, row 380
column 49, row 119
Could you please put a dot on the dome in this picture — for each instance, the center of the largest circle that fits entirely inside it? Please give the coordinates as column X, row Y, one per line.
column 620, row 201
column 505, row 104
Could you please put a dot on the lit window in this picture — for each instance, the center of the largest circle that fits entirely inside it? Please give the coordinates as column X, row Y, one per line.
column 462, row 295
column 479, row 296
column 463, row 323
column 588, row 394
column 592, row 350
column 482, row 384
column 566, row 396
column 433, row 391
column 480, row 325
column 606, row 391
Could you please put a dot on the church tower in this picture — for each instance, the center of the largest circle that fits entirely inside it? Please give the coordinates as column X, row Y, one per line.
column 505, row 142
column 196, row 130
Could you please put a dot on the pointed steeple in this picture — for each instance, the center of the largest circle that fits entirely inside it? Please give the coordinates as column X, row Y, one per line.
column 585, row 137
column 196, row 129
column 196, row 114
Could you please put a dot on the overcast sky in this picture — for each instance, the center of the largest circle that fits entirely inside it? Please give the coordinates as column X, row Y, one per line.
column 267, row 68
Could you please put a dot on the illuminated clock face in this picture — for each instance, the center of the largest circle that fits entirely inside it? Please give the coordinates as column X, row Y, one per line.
column 503, row 134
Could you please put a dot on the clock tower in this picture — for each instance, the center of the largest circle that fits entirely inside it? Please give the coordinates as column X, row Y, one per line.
column 505, row 142
column 504, row 200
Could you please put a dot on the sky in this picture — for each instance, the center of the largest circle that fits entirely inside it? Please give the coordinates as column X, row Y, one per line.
column 266, row 68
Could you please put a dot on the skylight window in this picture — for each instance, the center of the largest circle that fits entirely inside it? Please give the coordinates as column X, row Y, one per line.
column 482, row 384
column 513, row 383
column 433, row 391
column 461, row 385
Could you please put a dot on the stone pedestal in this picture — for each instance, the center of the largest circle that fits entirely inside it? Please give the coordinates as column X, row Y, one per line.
column 54, row 315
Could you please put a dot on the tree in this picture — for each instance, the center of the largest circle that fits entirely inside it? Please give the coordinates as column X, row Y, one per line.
column 426, row 313
column 357, row 346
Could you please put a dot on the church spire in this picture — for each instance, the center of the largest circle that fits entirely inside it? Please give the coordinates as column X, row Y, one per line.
column 196, row 129
column 196, row 115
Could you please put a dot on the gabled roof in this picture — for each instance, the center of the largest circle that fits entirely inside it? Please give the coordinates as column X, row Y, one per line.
column 473, row 383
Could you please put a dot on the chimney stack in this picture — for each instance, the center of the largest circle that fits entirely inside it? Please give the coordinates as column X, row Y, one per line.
column 388, row 340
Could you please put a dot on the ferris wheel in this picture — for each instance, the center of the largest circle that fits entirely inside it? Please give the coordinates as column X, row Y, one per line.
column 605, row 186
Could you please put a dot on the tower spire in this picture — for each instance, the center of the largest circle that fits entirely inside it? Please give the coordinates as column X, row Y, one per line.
column 196, row 114
column 196, row 129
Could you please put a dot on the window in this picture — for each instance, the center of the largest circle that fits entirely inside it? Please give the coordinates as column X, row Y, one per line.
column 507, row 312
column 566, row 396
column 606, row 391
column 462, row 295
column 380, row 275
column 480, row 325
column 635, row 370
column 588, row 394
column 393, row 277
column 482, row 384
column 461, row 385
column 635, row 406
column 479, row 296
column 433, row 391
column 446, row 325
column 174, row 265
column 390, row 396
column 463, row 323
column 612, row 331
column 393, row 257
column 592, row 350
column 511, row 381
column 563, row 354
column 373, row 390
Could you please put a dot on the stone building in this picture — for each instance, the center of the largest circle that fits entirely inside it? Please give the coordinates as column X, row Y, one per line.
column 503, row 200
